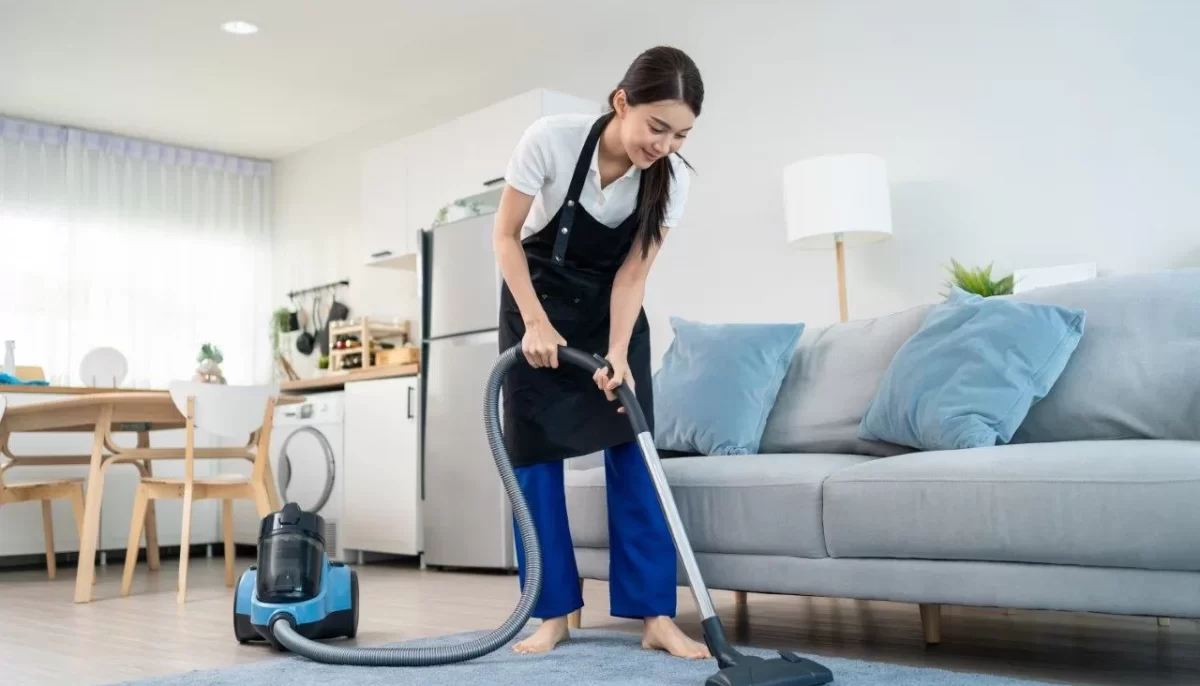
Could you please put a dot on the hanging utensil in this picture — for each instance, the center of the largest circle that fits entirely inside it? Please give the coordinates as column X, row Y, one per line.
column 306, row 340
column 337, row 312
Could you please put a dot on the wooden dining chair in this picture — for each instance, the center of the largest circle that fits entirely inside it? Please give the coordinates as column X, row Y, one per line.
column 46, row 492
column 226, row 411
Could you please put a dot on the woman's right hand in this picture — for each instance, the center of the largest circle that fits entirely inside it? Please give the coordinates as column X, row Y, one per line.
column 540, row 344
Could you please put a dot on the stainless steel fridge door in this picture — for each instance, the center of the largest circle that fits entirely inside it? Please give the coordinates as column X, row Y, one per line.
column 464, row 278
column 467, row 517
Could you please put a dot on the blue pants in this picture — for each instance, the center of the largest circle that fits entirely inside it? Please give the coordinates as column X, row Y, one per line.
column 642, row 562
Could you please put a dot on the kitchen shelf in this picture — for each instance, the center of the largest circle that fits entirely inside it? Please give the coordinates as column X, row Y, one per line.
column 367, row 332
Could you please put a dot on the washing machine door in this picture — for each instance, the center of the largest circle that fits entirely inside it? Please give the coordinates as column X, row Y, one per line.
column 306, row 469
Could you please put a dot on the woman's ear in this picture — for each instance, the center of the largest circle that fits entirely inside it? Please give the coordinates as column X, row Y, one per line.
column 620, row 106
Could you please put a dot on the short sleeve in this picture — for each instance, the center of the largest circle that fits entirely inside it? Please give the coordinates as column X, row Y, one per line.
column 528, row 168
column 679, row 193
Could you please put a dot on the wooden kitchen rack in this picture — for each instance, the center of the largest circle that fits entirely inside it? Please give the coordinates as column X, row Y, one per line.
column 364, row 353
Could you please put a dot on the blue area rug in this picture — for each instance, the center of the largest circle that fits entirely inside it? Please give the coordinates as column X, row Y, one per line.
column 590, row 658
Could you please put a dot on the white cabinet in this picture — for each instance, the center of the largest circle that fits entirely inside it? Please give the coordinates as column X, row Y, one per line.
column 382, row 486
column 384, row 188
column 406, row 182
column 489, row 136
column 432, row 156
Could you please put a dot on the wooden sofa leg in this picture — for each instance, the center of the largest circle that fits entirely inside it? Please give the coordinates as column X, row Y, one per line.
column 575, row 619
column 739, row 598
column 931, row 623
column 1164, row 621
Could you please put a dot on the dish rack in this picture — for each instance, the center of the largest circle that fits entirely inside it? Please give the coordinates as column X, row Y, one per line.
column 366, row 343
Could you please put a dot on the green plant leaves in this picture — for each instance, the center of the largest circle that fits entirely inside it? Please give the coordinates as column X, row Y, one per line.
column 208, row 351
column 977, row 280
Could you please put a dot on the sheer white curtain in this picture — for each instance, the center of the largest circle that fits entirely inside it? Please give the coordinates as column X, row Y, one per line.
column 151, row 249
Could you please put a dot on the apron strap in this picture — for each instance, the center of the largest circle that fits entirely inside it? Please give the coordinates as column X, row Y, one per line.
column 563, row 231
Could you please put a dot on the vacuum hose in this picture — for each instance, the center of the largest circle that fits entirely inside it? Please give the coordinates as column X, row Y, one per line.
column 285, row 632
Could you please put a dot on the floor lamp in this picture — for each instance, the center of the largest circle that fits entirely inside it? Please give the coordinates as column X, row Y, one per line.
column 834, row 201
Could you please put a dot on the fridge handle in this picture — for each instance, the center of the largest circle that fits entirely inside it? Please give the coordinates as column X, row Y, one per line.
column 410, row 399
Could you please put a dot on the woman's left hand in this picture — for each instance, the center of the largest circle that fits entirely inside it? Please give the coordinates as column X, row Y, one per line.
column 620, row 375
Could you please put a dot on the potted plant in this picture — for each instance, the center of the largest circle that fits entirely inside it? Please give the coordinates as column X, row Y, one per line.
column 210, row 359
column 977, row 280
column 279, row 326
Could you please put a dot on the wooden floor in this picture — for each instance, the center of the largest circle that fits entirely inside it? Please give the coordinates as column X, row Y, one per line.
column 47, row 639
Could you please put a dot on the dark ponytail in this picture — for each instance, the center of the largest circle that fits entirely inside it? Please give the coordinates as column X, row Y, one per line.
column 660, row 73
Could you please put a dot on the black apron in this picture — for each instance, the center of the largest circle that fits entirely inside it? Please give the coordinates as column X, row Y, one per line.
column 554, row 414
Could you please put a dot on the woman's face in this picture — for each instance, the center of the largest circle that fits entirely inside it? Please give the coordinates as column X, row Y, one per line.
column 653, row 130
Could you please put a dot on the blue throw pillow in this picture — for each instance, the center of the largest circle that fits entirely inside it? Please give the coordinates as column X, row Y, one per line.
column 718, row 383
column 969, row 375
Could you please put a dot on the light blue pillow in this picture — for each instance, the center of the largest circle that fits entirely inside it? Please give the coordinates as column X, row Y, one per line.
column 718, row 383
column 969, row 375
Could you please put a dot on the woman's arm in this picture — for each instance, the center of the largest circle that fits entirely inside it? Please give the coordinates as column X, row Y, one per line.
column 629, row 289
column 541, row 341
column 506, row 239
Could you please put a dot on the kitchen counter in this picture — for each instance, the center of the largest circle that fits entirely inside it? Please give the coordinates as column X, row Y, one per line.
column 336, row 380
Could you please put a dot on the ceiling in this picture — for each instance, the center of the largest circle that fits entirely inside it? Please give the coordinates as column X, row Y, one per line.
column 316, row 69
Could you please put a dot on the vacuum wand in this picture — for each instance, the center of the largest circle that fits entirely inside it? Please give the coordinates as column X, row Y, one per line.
column 736, row 669
column 641, row 429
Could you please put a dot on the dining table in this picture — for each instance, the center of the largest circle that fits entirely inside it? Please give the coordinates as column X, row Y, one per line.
column 103, row 414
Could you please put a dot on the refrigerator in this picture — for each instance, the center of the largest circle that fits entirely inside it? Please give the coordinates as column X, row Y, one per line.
column 467, row 517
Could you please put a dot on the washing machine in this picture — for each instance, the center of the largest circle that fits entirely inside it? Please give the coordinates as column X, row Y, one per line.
column 306, row 458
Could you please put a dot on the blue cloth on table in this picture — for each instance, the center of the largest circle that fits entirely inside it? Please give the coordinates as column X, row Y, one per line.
column 9, row 379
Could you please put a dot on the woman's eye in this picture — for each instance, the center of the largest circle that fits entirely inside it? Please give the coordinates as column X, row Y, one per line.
column 656, row 129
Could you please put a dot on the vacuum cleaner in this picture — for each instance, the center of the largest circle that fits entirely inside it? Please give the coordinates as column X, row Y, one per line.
column 295, row 597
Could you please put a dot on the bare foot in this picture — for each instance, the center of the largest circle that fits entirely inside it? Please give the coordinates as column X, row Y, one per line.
column 662, row 634
column 552, row 632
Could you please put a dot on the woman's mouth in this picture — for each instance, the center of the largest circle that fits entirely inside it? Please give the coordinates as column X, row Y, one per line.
column 650, row 155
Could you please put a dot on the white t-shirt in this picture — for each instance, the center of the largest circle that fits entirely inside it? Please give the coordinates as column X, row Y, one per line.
column 544, row 162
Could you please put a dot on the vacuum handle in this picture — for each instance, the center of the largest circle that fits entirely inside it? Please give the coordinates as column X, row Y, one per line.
column 593, row 363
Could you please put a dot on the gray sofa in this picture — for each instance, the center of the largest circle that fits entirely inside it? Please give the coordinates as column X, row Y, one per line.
column 1094, row 506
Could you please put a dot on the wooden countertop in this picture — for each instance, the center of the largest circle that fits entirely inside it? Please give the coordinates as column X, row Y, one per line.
column 71, row 390
column 331, row 381
column 336, row 380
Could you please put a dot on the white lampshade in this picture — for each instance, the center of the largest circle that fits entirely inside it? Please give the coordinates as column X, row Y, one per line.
column 837, row 196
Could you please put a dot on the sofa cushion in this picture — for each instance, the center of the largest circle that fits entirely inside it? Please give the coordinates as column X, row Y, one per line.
column 834, row 374
column 717, row 384
column 1099, row 503
column 752, row 504
column 1134, row 373
column 968, row 377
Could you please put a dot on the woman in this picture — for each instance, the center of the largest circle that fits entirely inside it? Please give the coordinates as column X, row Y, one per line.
column 603, row 192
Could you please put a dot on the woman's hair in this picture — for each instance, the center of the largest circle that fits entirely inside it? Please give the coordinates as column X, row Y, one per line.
column 660, row 73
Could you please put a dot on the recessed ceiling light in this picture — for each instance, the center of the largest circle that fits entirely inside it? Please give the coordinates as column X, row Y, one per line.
column 241, row 28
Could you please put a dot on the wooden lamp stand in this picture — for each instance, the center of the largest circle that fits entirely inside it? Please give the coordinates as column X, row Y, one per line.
column 838, row 198
column 840, row 249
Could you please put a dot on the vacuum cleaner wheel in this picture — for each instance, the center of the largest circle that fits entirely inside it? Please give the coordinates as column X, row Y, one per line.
column 243, row 630
column 352, row 630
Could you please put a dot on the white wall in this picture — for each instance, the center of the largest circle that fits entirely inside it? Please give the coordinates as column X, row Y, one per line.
column 318, row 236
column 1024, row 133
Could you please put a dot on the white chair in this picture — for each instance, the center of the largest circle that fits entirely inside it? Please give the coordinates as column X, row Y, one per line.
column 227, row 411
column 44, row 491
